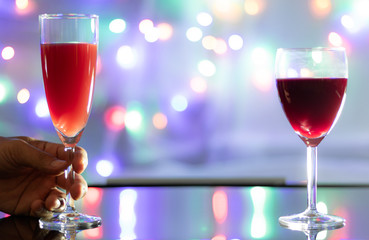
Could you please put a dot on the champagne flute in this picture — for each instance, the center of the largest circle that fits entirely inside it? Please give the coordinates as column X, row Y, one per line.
column 311, row 85
column 68, row 57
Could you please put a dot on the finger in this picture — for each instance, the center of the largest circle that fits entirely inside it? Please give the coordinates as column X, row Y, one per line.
column 25, row 154
column 38, row 210
column 55, row 201
column 79, row 161
column 77, row 190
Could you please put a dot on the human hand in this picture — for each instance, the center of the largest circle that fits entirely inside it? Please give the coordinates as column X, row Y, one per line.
column 31, row 176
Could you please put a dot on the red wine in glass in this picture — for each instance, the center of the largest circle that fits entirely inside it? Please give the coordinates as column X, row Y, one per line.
column 312, row 105
column 311, row 84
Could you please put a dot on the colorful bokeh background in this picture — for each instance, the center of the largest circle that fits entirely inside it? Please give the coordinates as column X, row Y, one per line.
column 185, row 89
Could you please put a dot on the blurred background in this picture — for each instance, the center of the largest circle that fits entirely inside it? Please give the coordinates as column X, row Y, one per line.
column 185, row 89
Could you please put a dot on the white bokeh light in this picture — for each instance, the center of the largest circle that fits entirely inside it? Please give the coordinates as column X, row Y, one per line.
column 117, row 26
column 194, row 34
column 23, row 95
column 42, row 109
column 7, row 53
column 145, row 25
column 179, row 103
column 235, row 42
column 104, row 168
column 204, row 19
column 126, row 57
column 206, row 68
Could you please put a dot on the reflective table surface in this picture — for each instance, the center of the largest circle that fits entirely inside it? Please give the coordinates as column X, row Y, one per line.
column 204, row 212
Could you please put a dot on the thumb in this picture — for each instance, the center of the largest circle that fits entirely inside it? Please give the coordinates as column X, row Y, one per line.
column 25, row 154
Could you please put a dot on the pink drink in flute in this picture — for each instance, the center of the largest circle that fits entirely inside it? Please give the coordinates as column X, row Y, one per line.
column 68, row 58
column 69, row 84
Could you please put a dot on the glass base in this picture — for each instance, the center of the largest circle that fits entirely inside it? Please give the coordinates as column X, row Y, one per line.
column 311, row 220
column 69, row 221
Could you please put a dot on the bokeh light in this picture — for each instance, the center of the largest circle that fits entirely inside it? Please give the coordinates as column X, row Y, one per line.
column 114, row 118
column 127, row 214
column 23, row 95
column 204, row 19
column 321, row 8
column 348, row 22
column 227, row 10
column 220, row 46
column 133, row 120
column 6, row 88
column 220, row 206
column 253, row 7
column 179, row 103
column 21, row 4
column 209, row 42
column 104, row 168
column 41, row 108
column 335, row 39
column 235, row 42
column 152, row 35
column 7, row 53
column 198, row 84
column 126, row 57
column 93, row 196
column 117, row 26
column 165, row 31
column 258, row 222
column 145, row 25
column 160, row 121
column 194, row 34
column 262, row 65
column 3, row 92
column 206, row 68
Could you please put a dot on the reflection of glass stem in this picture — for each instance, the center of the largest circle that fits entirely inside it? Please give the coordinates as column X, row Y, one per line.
column 312, row 177
column 311, row 234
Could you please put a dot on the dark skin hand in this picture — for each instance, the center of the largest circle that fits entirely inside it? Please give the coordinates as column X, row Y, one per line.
column 32, row 174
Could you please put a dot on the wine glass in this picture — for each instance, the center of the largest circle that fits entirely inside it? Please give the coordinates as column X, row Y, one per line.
column 68, row 57
column 311, row 84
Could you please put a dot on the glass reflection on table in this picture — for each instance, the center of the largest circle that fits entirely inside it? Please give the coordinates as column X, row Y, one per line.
column 216, row 213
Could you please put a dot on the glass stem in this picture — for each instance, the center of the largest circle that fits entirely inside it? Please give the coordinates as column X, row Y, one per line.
column 312, row 161
column 69, row 178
